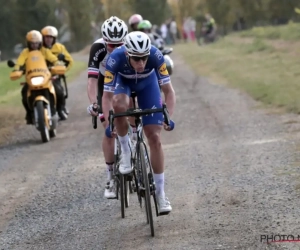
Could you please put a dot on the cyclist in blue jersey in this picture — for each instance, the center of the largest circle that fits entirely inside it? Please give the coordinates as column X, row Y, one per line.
column 140, row 67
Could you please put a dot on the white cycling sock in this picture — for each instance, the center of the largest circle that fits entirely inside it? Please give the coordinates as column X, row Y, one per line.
column 124, row 141
column 159, row 180
column 109, row 171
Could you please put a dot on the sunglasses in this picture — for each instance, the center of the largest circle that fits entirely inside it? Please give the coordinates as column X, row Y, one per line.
column 113, row 45
column 138, row 58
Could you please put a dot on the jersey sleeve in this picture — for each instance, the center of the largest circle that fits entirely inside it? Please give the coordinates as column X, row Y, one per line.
column 111, row 71
column 68, row 57
column 97, row 54
column 21, row 59
column 50, row 57
column 161, row 67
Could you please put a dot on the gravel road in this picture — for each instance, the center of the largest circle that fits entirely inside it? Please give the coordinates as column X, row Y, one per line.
column 232, row 175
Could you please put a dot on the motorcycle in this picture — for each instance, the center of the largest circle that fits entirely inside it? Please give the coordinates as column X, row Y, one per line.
column 41, row 95
column 168, row 60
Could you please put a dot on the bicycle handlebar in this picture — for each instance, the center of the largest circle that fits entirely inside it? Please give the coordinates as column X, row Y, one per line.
column 138, row 113
column 94, row 118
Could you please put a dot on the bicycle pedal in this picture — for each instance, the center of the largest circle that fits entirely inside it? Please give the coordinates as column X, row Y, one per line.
column 163, row 213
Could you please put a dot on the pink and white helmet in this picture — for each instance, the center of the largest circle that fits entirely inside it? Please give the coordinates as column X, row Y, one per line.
column 136, row 18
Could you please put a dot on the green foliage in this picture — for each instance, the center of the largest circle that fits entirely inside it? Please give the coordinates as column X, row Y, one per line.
column 156, row 11
column 17, row 17
column 79, row 22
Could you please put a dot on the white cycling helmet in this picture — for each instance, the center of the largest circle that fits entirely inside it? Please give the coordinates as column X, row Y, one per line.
column 136, row 18
column 114, row 30
column 137, row 43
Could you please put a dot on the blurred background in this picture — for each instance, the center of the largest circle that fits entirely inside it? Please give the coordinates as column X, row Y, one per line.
column 79, row 21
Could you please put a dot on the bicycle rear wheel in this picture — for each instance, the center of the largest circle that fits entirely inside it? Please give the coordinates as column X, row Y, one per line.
column 143, row 165
column 120, row 180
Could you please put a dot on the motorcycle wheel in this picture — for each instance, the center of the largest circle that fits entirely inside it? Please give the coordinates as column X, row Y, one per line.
column 41, row 111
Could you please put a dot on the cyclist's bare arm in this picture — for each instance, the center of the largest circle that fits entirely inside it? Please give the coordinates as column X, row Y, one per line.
column 92, row 90
column 106, row 105
column 170, row 97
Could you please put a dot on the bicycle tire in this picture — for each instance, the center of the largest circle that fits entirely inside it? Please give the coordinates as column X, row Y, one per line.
column 152, row 189
column 119, row 178
column 126, row 191
column 137, row 189
column 130, row 187
column 147, row 197
column 122, row 194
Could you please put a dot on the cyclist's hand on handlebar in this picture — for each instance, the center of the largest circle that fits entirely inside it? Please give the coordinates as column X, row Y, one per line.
column 170, row 127
column 110, row 134
column 90, row 109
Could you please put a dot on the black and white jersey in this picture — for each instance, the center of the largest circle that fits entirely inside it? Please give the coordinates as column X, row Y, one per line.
column 97, row 58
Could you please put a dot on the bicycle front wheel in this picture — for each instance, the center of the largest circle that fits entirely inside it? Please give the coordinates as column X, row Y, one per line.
column 122, row 194
column 143, row 166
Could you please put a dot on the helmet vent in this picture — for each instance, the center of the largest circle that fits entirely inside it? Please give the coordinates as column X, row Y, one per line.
column 141, row 44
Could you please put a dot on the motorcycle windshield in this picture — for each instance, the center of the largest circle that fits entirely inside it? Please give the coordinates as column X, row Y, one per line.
column 36, row 65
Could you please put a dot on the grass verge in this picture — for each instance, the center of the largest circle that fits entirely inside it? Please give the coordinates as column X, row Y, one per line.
column 291, row 31
column 267, row 72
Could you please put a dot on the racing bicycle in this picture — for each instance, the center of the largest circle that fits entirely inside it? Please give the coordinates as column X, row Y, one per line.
column 142, row 169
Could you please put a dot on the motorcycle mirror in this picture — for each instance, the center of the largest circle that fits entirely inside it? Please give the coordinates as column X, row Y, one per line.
column 10, row 63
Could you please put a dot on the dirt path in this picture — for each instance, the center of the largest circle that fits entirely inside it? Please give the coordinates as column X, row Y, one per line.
column 230, row 176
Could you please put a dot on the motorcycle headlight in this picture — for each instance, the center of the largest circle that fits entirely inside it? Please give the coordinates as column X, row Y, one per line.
column 37, row 80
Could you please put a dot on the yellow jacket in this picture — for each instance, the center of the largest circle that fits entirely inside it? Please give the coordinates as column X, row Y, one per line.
column 59, row 48
column 24, row 55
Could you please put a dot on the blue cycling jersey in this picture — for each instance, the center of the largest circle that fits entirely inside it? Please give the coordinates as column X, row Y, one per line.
column 118, row 65
column 121, row 78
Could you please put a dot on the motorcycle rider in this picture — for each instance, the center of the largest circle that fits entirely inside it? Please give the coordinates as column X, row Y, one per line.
column 134, row 20
column 34, row 42
column 49, row 41
column 146, row 27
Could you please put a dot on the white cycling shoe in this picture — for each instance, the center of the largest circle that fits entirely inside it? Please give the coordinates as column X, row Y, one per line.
column 109, row 192
column 163, row 205
column 125, row 163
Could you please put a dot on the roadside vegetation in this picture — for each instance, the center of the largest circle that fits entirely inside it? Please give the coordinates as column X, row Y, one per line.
column 264, row 62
